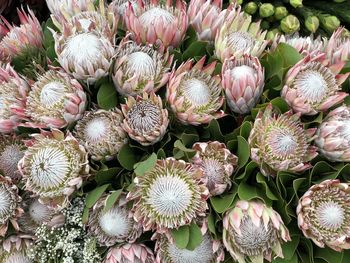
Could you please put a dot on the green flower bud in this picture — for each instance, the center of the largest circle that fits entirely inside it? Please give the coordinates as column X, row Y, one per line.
column 266, row 10
column 281, row 12
column 290, row 24
column 312, row 23
column 265, row 25
column 329, row 23
column 296, row 3
column 251, row 8
column 238, row 2
column 272, row 33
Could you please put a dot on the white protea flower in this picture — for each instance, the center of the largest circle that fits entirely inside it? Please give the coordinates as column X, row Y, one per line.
column 139, row 69
column 55, row 101
column 101, row 133
column 15, row 249
column 172, row 194
column 53, row 167
column 11, row 152
column 70, row 7
column 115, row 225
column 10, row 209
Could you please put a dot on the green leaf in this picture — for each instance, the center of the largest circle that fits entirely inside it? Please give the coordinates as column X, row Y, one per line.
column 328, row 255
column 181, row 236
column 104, row 176
column 85, row 217
column 195, row 237
column 262, row 180
column 221, row 204
column 94, row 195
column 289, row 54
column 197, row 48
column 211, row 224
column 111, row 199
column 290, row 247
column 145, row 166
column 247, row 192
column 243, row 152
column 245, row 129
column 107, row 96
column 126, row 157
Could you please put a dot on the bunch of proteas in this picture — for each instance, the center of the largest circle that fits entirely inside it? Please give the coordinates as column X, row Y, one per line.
column 280, row 143
column 324, row 214
column 255, row 231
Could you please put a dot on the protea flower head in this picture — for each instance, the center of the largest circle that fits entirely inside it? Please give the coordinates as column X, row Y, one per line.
column 206, row 17
column 255, row 231
column 157, row 23
column 53, row 167
column 140, row 69
column 145, row 119
column 86, row 56
column 120, row 6
column 280, row 143
column 218, row 164
column 15, row 249
column 21, row 38
column 115, row 225
column 333, row 137
column 324, row 216
column 243, row 82
column 194, row 94
column 101, row 133
column 69, row 7
column 13, row 93
column 10, row 209
column 337, row 47
column 313, row 85
column 130, row 253
column 55, row 101
column 11, row 152
column 170, row 195
column 238, row 35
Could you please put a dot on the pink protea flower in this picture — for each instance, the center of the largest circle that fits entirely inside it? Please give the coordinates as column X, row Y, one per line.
column 157, row 23
column 280, row 143
column 10, row 209
column 55, row 101
column 53, row 167
column 313, row 84
column 218, row 164
column 255, row 231
column 120, row 7
column 69, row 7
column 324, row 216
column 206, row 17
column 13, row 94
column 113, row 225
column 337, row 47
column 18, row 39
column 172, row 194
column 15, row 248
column 194, row 94
column 139, row 69
column 146, row 121
column 243, row 82
column 130, row 253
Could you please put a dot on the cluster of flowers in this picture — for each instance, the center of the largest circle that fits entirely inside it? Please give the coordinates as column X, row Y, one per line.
column 41, row 172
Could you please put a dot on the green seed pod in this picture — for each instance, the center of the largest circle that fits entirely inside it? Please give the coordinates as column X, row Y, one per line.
column 271, row 34
column 312, row 23
column 281, row 12
column 266, row 10
column 296, row 3
column 329, row 23
column 251, row 8
column 265, row 25
column 290, row 24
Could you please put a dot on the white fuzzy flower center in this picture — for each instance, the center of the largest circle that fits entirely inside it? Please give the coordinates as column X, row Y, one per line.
column 169, row 196
column 239, row 41
column 156, row 14
column 144, row 117
column 52, row 93
column 196, row 91
column 242, row 72
column 17, row 258
column 96, row 129
column 9, row 159
column 312, row 85
column 115, row 222
column 5, row 203
column 49, row 167
column 201, row 254
column 140, row 63
column 330, row 215
column 214, row 171
column 282, row 142
column 38, row 212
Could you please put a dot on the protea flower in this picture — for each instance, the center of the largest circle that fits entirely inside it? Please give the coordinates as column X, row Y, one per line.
column 115, row 225
column 323, row 214
column 19, row 39
column 194, row 94
column 313, row 85
column 145, row 119
column 101, row 133
column 69, row 7
column 206, row 17
column 337, row 47
column 11, row 152
column 130, row 253
column 218, row 164
column 53, row 167
column 157, row 23
column 238, row 35
column 140, row 69
column 15, row 249
column 86, row 56
column 169, row 196
column 253, row 230
column 243, row 82
column 55, row 101
column 280, row 143
column 120, row 6
column 13, row 93
column 10, row 209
